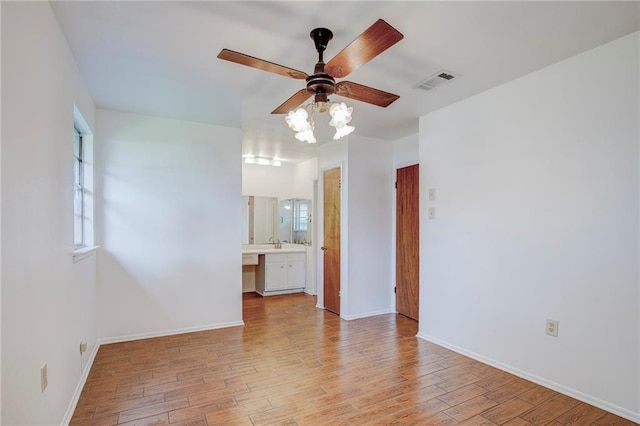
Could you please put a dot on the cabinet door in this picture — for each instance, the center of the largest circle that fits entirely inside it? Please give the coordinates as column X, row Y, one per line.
column 276, row 277
column 296, row 274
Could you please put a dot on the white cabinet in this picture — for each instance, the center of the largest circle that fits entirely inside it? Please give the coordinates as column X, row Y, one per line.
column 297, row 270
column 281, row 273
column 276, row 278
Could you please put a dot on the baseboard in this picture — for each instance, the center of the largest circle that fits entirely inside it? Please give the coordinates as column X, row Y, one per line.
column 83, row 379
column 581, row 396
column 278, row 292
column 368, row 314
column 140, row 336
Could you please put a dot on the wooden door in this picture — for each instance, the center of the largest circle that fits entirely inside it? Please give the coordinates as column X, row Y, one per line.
column 407, row 241
column 331, row 247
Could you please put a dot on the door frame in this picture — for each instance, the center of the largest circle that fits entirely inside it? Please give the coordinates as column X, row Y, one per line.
column 343, row 238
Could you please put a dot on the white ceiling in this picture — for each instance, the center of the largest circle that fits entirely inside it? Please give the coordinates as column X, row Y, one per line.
column 159, row 58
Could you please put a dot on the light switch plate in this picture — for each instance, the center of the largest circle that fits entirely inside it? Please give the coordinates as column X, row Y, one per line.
column 432, row 194
column 44, row 380
column 432, row 213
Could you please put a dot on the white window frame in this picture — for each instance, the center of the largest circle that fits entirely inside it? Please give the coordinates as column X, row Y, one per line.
column 79, row 240
column 86, row 185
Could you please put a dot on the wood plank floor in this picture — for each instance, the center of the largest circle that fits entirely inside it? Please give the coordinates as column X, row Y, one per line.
column 293, row 364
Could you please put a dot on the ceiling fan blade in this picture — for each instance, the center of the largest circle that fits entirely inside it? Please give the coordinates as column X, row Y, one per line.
column 366, row 94
column 293, row 102
column 261, row 64
column 373, row 41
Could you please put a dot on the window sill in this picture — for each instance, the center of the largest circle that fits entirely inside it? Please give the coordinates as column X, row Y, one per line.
column 83, row 253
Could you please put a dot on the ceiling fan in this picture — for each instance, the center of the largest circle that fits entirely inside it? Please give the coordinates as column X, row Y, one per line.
column 373, row 41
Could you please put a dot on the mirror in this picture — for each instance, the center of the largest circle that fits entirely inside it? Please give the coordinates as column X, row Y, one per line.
column 259, row 215
column 294, row 216
column 266, row 219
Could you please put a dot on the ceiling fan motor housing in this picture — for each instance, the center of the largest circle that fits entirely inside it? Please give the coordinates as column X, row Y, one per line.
column 321, row 83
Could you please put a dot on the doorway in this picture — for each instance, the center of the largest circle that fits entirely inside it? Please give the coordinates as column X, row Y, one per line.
column 331, row 241
column 407, row 241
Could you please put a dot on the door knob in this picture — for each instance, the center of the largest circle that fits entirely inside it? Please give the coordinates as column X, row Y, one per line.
column 323, row 248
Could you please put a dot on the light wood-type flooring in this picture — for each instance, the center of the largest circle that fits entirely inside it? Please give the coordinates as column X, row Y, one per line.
column 294, row 364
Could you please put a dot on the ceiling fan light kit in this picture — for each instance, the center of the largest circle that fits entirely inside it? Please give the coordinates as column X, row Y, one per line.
column 301, row 120
column 321, row 84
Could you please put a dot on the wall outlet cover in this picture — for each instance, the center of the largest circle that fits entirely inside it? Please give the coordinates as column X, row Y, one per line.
column 552, row 327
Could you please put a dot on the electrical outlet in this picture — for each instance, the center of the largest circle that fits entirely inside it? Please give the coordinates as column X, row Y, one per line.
column 432, row 213
column 83, row 347
column 43, row 378
column 432, row 194
column 552, row 327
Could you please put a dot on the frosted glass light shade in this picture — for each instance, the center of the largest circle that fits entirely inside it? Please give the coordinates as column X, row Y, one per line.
column 297, row 120
column 306, row 136
column 340, row 114
column 343, row 131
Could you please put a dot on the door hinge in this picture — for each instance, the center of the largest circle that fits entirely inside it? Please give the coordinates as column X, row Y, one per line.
column 339, row 183
column 395, row 289
column 396, row 185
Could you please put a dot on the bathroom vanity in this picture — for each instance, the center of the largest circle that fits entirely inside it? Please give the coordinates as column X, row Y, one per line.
column 276, row 270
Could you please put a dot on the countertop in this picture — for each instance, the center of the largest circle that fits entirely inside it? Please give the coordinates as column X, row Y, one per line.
column 270, row 248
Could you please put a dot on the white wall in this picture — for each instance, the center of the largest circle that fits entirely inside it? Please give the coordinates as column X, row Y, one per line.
column 170, row 225
column 48, row 302
column 406, row 151
column 288, row 181
column 268, row 181
column 305, row 174
column 371, row 178
column 537, row 217
column 367, row 182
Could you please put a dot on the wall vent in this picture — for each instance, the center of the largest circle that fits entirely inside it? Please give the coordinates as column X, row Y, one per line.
column 435, row 80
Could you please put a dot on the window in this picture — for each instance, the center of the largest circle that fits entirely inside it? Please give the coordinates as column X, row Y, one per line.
column 83, row 195
column 79, row 240
column 301, row 216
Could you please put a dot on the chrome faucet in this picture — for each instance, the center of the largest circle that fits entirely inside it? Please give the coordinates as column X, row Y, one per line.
column 276, row 243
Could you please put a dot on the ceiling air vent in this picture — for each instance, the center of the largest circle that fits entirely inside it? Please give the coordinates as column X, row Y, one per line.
column 435, row 80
